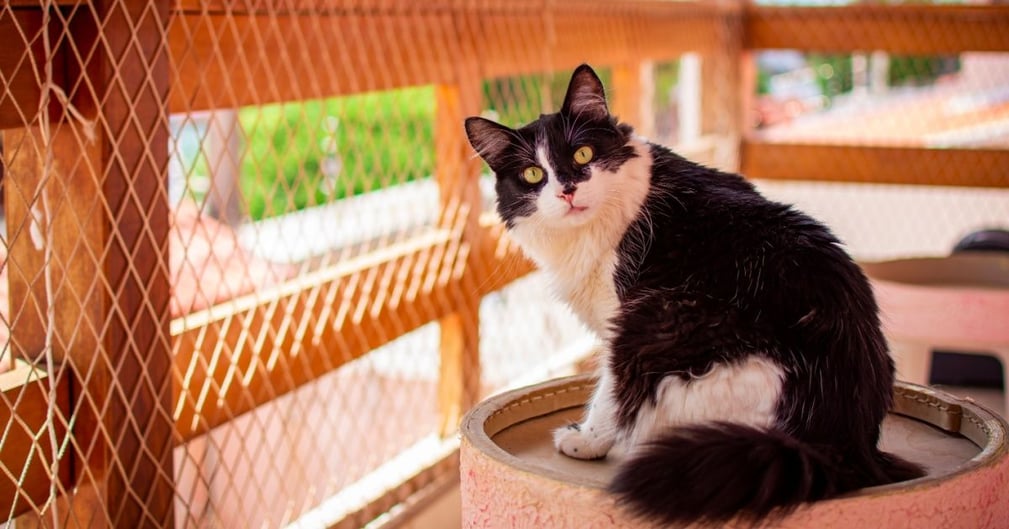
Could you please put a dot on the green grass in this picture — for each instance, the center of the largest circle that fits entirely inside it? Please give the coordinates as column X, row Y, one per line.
column 380, row 138
column 903, row 70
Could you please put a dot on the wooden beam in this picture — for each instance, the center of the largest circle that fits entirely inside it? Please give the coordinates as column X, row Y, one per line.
column 569, row 34
column 878, row 165
column 230, row 61
column 457, row 173
column 501, row 259
column 633, row 94
column 919, row 29
column 219, row 59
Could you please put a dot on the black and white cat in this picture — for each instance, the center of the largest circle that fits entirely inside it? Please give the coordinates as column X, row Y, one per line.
column 742, row 364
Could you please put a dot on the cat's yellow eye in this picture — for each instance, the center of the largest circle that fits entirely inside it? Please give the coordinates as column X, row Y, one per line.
column 532, row 175
column 583, row 155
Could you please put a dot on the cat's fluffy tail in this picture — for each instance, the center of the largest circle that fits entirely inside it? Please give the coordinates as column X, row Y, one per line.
column 711, row 473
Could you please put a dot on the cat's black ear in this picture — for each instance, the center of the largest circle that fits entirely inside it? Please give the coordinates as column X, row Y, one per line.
column 585, row 97
column 488, row 139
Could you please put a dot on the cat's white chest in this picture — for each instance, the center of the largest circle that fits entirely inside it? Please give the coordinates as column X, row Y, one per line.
column 591, row 293
column 580, row 271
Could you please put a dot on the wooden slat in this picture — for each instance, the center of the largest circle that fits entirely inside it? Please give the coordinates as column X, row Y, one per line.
column 25, row 396
column 911, row 29
column 605, row 34
column 232, row 358
column 870, row 164
column 676, row 28
column 502, row 260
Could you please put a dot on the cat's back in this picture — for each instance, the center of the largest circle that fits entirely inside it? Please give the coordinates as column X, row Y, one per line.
column 698, row 214
column 714, row 232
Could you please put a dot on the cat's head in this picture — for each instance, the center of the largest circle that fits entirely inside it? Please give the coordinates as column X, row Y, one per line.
column 560, row 170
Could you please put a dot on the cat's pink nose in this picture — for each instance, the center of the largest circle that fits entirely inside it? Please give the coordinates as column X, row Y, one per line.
column 567, row 197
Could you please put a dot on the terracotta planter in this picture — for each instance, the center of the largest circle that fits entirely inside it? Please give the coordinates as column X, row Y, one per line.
column 958, row 303
column 513, row 478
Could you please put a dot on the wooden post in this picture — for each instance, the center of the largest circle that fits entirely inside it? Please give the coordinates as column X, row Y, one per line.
column 747, row 120
column 634, row 94
column 457, row 172
column 723, row 92
column 113, row 193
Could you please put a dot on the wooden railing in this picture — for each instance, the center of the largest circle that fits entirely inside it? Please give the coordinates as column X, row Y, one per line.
column 184, row 62
column 918, row 29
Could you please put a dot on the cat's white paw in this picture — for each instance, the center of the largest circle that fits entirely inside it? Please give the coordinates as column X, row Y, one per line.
column 572, row 441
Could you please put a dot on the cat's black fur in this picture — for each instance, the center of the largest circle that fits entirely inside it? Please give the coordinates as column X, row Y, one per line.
column 732, row 273
column 711, row 273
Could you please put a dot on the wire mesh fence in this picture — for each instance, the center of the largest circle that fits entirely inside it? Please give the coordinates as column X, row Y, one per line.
column 252, row 274
column 951, row 102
